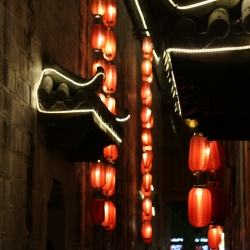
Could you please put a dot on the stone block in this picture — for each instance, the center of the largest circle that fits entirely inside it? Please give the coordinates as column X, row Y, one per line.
column 23, row 63
column 26, row 144
column 15, row 166
column 23, row 170
column 18, row 140
column 26, row 92
column 24, row 117
column 6, row 161
column 8, row 192
column 11, row 80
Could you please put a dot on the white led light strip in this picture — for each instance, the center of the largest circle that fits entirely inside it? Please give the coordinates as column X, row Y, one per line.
column 123, row 119
column 192, row 6
column 157, row 58
column 73, row 111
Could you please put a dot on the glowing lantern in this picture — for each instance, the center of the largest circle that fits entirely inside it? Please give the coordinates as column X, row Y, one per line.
column 147, row 45
column 148, row 78
column 110, row 179
column 109, row 57
column 109, row 210
column 97, row 7
column 145, row 90
column 199, row 206
column 214, row 236
column 111, row 191
column 109, row 48
column 110, row 81
column 97, row 211
column 198, row 154
column 147, row 206
column 146, row 193
column 145, row 114
column 145, row 217
column 147, row 140
column 98, row 63
column 220, row 154
column 147, row 181
column 149, row 56
column 102, row 96
column 98, row 174
column 110, row 104
column 109, row 17
column 112, row 226
column 146, row 162
column 98, row 37
column 148, row 241
column 146, row 67
column 110, row 152
column 146, row 230
column 147, row 101
column 150, row 123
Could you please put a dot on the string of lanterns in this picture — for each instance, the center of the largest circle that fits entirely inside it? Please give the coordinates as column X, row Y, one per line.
column 103, row 174
column 147, row 121
column 207, row 204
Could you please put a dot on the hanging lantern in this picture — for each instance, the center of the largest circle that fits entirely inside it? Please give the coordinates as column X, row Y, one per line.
column 109, row 17
column 110, row 178
column 109, row 57
column 147, row 181
column 100, row 62
column 98, row 36
column 148, row 241
column 110, row 81
column 149, row 56
column 109, row 48
column 145, row 90
column 97, row 211
column 148, row 78
column 150, row 123
column 109, row 209
column 146, row 67
column 98, row 174
column 214, row 157
column 147, row 101
column 98, row 7
column 147, row 47
column 146, row 193
column 145, row 114
column 214, row 236
column 222, row 164
column 146, row 230
column 147, row 206
column 111, row 191
column 147, row 140
column 110, row 152
column 112, row 226
column 146, row 162
column 198, row 154
column 110, row 104
column 145, row 217
column 199, row 206
column 102, row 96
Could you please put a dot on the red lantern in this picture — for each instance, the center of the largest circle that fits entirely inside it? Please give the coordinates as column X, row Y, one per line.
column 222, row 160
column 97, row 211
column 146, row 230
column 97, row 7
column 110, row 104
column 150, row 123
column 145, row 90
column 199, row 206
column 145, row 217
column 146, row 67
column 147, row 140
column 98, row 63
column 112, row 226
column 145, row 114
column 149, row 56
column 198, row 154
column 112, row 190
column 98, row 174
column 146, row 162
column 147, row 181
column 214, row 157
column 102, row 96
column 148, row 241
column 109, row 210
column 109, row 57
column 109, row 17
column 98, row 37
column 214, row 236
column 146, row 193
column 147, row 47
column 110, row 152
column 110, row 179
column 109, row 48
column 147, row 101
column 147, row 206
column 148, row 78
column 110, row 81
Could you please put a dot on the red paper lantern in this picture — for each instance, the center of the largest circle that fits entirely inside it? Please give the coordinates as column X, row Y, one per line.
column 148, row 78
column 198, row 154
column 147, row 181
column 98, row 36
column 112, row 226
column 145, row 114
column 110, row 152
column 112, row 190
column 145, row 90
column 150, row 123
column 146, row 230
column 110, row 179
column 109, row 48
column 98, row 7
column 147, row 47
column 148, row 241
column 98, row 174
column 110, row 81
column 147, row 206
column 109, row 16
column 222, row 160
column 145, row 217
column 147, row 140
column 214, row 157
column 100, row 62
column 109, row 210
column 97, row 211
column 146, row 162
column 214, row 236
column 109, row 57
column 146, row 67
column 146, row 193
column 199, row 206
column 149, row 56
column 110, row 104
column 147, row 101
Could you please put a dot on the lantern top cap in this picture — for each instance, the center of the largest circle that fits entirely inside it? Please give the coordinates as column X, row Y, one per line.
column 199, row 186
column 198, row 134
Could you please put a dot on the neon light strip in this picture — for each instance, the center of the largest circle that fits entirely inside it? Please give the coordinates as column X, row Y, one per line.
column 157, row 58
column 192, row 6
column 123, row 119
column 73, row 111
